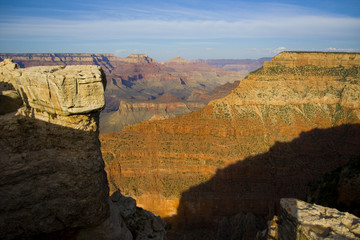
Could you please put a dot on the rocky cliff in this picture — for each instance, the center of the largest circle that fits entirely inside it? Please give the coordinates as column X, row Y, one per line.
column 287, row 123
column 53, row 184
column 48, row 186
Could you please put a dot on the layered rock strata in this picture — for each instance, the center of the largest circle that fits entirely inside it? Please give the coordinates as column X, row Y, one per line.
column 285, row 124
column 53, row 184
column 301, row 220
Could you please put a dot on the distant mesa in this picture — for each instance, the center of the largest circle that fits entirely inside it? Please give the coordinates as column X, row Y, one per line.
column 138, row 58
column 167, row 97
column 178, row 59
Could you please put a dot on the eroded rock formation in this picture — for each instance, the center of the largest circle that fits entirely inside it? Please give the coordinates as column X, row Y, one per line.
column 302, row 220
column 53, row 184
column 47, row 184
column 285, row 124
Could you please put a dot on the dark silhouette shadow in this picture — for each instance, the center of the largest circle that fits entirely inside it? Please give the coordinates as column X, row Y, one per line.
column 52, row 179
column 257, row 183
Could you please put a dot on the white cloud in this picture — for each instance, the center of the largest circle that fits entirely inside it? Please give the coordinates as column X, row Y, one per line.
column 278, row 50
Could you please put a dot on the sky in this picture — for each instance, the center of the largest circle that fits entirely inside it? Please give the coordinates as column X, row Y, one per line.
column 193, row 29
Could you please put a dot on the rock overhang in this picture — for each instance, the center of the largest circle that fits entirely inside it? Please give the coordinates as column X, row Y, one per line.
column 61, row 90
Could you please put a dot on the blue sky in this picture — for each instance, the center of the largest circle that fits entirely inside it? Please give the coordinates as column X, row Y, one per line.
column 188, row 28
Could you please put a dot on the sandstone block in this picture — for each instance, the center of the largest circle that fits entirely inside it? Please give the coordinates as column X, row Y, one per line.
column 58, row 90
column 302, row 220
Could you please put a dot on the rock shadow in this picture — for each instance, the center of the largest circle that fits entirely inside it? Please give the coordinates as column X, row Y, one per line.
column 52, row 179
column 255, row 184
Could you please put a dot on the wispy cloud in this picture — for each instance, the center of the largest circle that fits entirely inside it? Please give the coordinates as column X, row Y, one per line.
column 300, row 27
column 278, row 50
column 177, row 25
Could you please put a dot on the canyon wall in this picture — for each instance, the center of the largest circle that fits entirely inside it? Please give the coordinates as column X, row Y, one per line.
column 286, row 124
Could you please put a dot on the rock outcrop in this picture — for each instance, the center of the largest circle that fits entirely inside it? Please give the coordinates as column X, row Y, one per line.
column 283, row 126
column 126, row 222
column 138, row 58
column 178, row 59
column 47, row 185
column 301, row 220
column 53, row 184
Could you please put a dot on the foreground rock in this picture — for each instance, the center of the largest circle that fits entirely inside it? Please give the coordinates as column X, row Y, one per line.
column 301, row 220
column 52, row 173
column 126, row 222
column 52, row 179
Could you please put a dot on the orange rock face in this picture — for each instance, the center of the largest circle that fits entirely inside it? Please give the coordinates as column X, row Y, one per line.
column 285, row 124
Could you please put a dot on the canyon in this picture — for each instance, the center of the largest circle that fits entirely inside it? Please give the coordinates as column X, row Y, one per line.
column 139, row 88
column 217, row 173
column 284, row 125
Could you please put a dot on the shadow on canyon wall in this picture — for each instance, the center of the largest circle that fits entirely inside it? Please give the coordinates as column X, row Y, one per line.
column 256, row 184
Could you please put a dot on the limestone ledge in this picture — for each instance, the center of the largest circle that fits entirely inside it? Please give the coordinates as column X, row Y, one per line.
column 325, row 59
column 57, row 90
column 305, row 221
column 279, row 93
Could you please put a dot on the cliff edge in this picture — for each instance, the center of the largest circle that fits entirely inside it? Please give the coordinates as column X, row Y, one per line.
column 48, row 185
column 52, row 179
